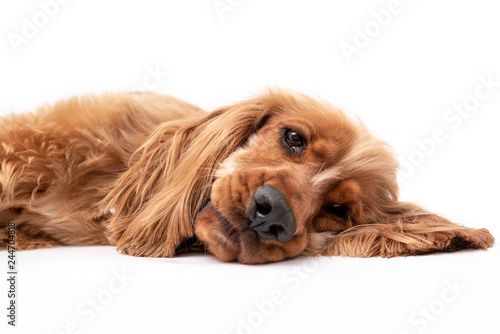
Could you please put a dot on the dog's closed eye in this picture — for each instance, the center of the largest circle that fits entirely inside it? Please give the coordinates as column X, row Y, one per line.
column 337, row 210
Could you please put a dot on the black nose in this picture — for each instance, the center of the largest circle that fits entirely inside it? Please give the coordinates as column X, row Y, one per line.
column 270, row 216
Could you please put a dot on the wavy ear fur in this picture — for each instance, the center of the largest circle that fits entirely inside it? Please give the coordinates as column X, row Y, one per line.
column 410, row 231
column 155, row 201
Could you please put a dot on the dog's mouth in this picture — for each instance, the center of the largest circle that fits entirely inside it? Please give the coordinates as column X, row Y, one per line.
column 227, row 229
column 218, row 233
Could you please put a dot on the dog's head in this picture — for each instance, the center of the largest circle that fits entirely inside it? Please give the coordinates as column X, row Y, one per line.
column 274, row 177
column 309, row 170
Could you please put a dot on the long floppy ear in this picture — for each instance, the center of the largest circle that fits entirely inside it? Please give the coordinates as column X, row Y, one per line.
column 408, row 231
column 155, row 201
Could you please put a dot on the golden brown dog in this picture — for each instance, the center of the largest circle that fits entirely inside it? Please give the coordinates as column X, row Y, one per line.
column 278, row 176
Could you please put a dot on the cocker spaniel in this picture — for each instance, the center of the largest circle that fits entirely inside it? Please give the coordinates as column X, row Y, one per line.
column 274, row 177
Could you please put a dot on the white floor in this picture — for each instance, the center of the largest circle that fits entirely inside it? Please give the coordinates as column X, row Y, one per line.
column 96, row 290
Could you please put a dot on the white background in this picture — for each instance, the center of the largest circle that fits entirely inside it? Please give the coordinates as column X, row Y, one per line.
column 428, row 57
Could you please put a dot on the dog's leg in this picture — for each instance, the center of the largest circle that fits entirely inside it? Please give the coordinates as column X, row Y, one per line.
column 25, row 177
column 21, row 235
column 45, row 189
column 18, row 188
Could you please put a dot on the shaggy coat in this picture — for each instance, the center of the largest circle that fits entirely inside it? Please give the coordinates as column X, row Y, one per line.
column 156, row 176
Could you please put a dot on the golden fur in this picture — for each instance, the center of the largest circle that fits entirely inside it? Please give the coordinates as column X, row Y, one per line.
column 156, row 176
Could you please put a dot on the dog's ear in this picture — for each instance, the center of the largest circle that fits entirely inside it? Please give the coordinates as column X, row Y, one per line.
column 154, row 202
column 406, row 230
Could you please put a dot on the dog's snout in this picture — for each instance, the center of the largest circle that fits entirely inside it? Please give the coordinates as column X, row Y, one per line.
column 270, row 216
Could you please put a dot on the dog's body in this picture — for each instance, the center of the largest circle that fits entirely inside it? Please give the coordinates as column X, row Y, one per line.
column 61, row 162
column 274, row 177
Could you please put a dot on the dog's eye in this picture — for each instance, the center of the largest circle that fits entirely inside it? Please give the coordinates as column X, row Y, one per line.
column 294, row 140
column 338, row 210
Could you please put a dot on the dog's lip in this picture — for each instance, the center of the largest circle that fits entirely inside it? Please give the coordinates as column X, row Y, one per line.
column 229, row 231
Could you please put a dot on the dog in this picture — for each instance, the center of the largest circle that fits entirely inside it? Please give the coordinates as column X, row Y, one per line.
column 278, row 176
